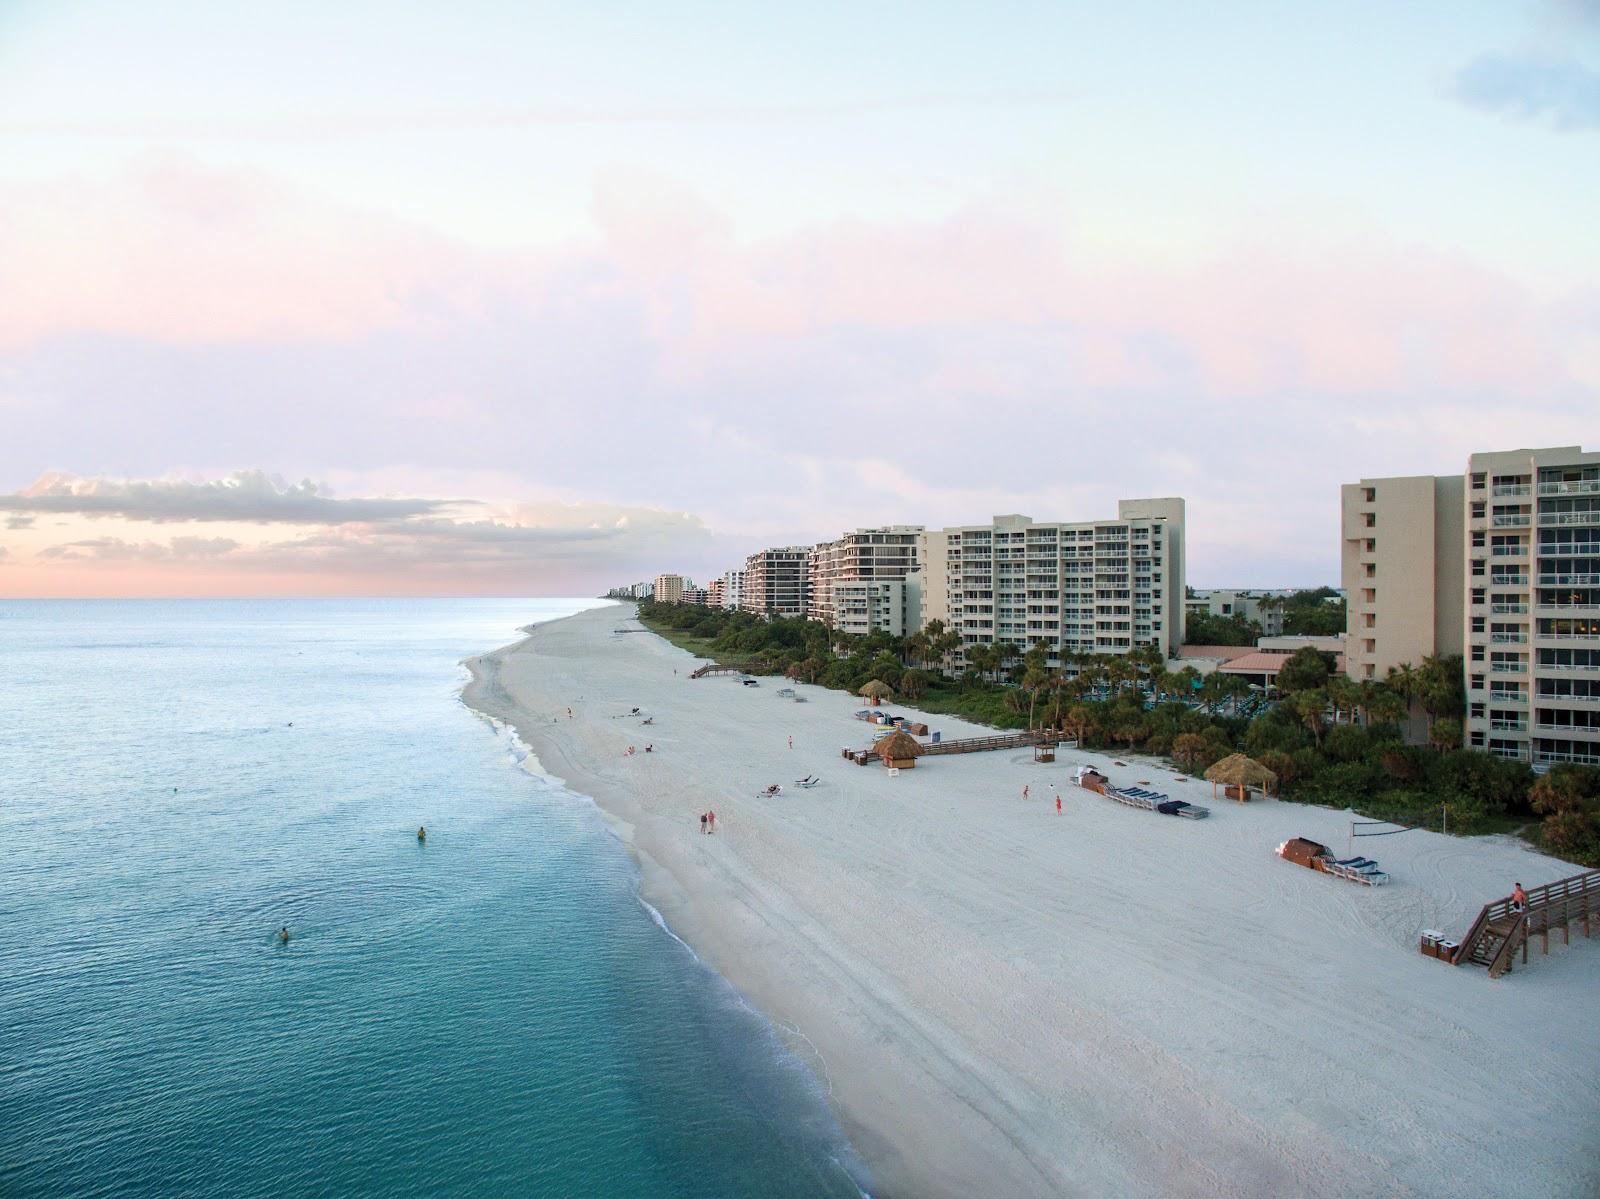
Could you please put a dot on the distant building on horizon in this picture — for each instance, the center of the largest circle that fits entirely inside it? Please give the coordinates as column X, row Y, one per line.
column 733, row 589
column 668, row 589
column 1262, row 607
column 1500, row 565
column 1089, row 587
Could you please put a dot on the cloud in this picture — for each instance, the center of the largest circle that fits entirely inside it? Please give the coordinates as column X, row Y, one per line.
column 19, row 522
column 508, row 549
column 116, row 550
column 1559, row 90
column 247, row 496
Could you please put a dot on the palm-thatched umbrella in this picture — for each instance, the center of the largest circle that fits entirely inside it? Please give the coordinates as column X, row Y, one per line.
column 1236, row 770
column 875, row 690
column 899, row 748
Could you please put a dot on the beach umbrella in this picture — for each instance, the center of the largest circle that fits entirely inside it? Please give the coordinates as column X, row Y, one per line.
column 876, row 690
column 899, row 748
column 1237, row 770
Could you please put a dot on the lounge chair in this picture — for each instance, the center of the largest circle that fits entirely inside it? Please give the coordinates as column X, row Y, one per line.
column 768, row 791
column 810, row 780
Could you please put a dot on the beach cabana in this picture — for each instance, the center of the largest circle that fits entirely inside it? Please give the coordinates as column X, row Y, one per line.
column 898, row 749
column 875, row 690
column 1240, row 775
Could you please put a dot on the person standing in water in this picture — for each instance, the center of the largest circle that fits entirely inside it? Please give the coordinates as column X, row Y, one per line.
column 422, row 833
column 283, row 934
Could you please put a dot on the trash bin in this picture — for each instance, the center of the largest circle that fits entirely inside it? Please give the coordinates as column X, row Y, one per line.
column 936, row 738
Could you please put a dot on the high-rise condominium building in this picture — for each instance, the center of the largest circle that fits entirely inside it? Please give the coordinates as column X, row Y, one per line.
column 775, row 581
column 733, row 589
column 669, row 589
column 1502, row 566
column 1103, row 586
column 882, row 555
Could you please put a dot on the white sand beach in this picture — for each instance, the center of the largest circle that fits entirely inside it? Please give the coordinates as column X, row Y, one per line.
column 1004, row 1001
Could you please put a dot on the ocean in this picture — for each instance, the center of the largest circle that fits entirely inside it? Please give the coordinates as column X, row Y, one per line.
column 493, row 1012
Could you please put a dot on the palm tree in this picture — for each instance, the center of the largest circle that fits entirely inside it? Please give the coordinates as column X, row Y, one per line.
column 1033, row 682
column 1310, row 706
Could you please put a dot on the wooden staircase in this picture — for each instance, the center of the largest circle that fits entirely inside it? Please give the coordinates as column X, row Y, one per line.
column 1499, row 933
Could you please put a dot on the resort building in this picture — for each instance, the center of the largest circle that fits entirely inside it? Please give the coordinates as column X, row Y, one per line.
column 1092, row 587
column 694, row 595
column 776, row 581
column 863, row 606
column 1262, row 607
column 864, row 556
column 1502, row 566
column 668, row 589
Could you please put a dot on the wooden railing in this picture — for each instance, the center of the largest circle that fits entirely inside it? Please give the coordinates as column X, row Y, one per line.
column 972, row 745
column 1498, row 932
column 725, row 668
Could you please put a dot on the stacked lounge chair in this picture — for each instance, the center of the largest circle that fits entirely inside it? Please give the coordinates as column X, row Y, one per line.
column 1357, row 870
column 1155, row 801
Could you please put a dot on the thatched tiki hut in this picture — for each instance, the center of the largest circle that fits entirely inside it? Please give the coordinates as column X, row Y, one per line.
column 875, row 690
column 899, row 749
column 1239, row 776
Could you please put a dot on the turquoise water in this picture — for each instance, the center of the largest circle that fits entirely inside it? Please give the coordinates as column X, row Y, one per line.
column 491, row 1013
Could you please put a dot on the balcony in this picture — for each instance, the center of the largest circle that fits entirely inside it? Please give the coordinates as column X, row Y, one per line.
column 1508, row 638
column 1504, row 489
column 1509, row 551
column 1511, row 668
column 1554, row 667
column 1520, row 520
column 1568, row 636
column 1508, row 580
column 1508, row 697
column 1547, row 757
column 1508, row 726
column 1559, row 698
column 1508, row 609
column 1548, row 519
column 1577, row 487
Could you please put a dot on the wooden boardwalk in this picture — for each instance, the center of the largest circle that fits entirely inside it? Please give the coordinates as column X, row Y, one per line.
column 711, row 668
column 1498, row 932
column 976, row 745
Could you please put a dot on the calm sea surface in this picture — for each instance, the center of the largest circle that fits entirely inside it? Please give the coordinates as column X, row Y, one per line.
column 491, row 1013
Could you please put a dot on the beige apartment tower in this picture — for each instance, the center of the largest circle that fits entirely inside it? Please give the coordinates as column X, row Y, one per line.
column 1101, row 587
column 668, row 589
column 1518, row 563
column 1403, row 555
column 866, row 556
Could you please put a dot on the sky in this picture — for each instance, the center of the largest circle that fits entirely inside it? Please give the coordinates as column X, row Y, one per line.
column 514, row 298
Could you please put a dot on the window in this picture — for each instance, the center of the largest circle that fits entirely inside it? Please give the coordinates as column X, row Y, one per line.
column 1370, row 519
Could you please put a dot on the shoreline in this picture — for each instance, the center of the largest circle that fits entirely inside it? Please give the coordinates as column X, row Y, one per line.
column 997, row 1004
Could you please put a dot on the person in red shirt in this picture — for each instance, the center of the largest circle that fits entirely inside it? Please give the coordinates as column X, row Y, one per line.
column 1519, row 898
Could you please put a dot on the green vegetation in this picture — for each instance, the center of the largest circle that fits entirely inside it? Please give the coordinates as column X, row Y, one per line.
column 1201, row 628
column 1318, row 612
column 1330, row 740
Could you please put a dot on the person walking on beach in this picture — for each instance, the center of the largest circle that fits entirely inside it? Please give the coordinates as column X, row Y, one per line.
column 1058, row 804
column 711, row 821
column 703, row 827
column 569, row 713
column 791, row 740
column 1024, row 790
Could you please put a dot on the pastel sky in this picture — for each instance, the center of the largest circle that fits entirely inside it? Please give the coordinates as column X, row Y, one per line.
column 515, row 298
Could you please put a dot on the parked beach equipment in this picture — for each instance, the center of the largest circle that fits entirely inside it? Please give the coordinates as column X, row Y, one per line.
column 1091, row 779
column 1239, row 776
column 1313, row 855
